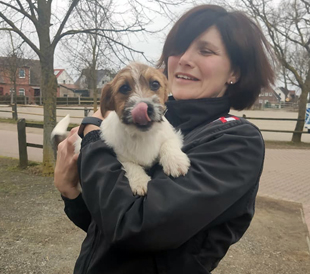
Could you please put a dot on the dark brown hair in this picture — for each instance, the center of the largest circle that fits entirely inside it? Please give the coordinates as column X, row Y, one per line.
column 246, row 46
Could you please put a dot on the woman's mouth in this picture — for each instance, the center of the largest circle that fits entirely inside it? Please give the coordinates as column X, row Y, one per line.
column 186, row 77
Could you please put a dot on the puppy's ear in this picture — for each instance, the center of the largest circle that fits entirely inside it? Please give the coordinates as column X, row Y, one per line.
column 166, row 88
column 106, row 101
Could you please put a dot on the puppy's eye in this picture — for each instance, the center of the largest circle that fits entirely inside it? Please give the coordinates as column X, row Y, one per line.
column 154, row 85
column 124, row 89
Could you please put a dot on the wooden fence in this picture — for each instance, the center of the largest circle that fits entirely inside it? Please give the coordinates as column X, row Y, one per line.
column 22, row 138
column 277, row 119
column 23, row 144
column 25, row 100
column 86, row 112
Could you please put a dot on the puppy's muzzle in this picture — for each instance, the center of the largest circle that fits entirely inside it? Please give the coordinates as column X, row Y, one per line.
column 143, row 113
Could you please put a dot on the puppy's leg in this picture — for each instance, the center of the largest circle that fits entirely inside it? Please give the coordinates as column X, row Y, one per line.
column 137, row 178
column 173, row 160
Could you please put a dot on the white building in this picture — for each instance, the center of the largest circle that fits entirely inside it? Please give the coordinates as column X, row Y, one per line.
column 63, row 78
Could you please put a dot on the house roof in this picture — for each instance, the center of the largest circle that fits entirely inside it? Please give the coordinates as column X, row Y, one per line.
column 288, row 92
column 57, row 72
column 34, row 65
column 100, row 74
column 70, row 86
column 292, row 92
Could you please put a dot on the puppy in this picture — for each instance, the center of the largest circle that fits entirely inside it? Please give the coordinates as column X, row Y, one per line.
column 136, row 128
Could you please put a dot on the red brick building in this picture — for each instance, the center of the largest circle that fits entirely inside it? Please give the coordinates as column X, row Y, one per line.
column 267, row 98
column 28, row 75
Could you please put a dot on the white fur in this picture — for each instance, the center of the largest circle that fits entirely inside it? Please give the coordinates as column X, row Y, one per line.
column 137, row 150
column 61, row 127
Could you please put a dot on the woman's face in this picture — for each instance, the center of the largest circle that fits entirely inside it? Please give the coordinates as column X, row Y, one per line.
column 203, row 71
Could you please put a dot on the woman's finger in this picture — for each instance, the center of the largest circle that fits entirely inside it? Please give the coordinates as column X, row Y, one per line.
column 73, row 131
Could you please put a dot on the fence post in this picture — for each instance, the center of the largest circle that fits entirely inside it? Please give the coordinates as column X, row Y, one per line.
column 79, row 99
column 86, row 111
column 22, row 143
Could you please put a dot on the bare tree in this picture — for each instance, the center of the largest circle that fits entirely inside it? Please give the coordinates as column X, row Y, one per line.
column 88, row 52
column 10, row 65
column 38, row 20
column 288, row 27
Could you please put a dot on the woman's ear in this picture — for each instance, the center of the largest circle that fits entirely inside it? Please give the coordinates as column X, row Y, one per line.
column 106, row 100
column 234, row 77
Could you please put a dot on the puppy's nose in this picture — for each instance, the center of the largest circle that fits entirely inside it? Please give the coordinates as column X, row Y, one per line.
column 150, row 110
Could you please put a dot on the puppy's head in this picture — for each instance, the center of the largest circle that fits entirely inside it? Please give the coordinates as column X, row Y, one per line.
column 137, row 94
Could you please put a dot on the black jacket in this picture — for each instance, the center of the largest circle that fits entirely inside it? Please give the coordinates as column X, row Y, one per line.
column 183, row 225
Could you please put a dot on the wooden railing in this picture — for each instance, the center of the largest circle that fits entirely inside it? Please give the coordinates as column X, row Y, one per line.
column 277, row 119
column 23, row 144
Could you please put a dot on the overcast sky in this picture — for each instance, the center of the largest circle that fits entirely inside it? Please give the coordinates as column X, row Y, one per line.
column 150, row 44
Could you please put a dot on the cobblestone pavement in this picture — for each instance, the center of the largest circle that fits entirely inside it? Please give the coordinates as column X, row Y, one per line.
column 286, row 176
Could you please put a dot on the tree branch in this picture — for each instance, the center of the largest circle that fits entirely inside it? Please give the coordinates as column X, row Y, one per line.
column 58, row 35
column 95, row 31
column 32, row 9
column 21, row 10
column 21, row 34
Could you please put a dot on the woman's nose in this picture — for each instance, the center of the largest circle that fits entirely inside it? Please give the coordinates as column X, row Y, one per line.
column 186, row 59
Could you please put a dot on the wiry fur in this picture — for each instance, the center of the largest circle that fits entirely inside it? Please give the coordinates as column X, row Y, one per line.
column 139, row 147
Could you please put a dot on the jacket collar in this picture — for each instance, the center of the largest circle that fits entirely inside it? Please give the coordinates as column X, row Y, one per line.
column 188, row 114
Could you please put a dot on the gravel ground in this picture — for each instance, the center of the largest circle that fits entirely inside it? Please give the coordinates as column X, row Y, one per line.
column 36, row 237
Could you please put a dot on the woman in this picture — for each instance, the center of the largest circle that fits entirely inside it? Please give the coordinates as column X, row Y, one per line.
column 214, row 60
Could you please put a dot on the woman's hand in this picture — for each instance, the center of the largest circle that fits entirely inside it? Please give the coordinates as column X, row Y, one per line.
column 66, row 178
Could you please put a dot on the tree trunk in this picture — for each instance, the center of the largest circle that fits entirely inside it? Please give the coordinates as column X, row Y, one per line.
column 49, row 92
column 15, row 117
column 296, row 138
column 94, row 87
column 48, row 83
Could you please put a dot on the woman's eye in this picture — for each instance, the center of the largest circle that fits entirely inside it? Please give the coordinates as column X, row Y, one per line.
column 205, row 52
column 124, row 89
column 154, row 85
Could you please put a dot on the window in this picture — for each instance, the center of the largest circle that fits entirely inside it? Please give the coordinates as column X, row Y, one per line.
column 260, row 101
column 64, row 81
column 1, row 90
column 21, row 73
column 22, row 91
column 266, row 93
column 270, row 94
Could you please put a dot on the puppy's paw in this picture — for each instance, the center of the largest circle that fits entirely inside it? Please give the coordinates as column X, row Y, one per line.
column 139, row 184
column 176, row 164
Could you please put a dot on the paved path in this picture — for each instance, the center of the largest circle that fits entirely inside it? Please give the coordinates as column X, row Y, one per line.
column 286, row 172
column 286, row 176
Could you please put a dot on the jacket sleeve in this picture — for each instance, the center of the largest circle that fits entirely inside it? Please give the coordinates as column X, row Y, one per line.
column 77, row 212
column 224, row 166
